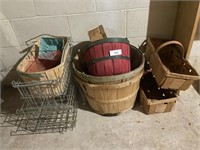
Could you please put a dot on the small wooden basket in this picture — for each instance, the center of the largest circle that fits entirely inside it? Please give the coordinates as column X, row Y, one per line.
column 169, row 67
column 154, row 99
column 49, row 75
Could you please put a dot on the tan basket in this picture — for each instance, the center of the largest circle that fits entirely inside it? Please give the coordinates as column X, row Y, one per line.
column 112, row 98
column 152, row 106
column 153, row 99
column 55, row 74
column 137, row 60
column 173, row 71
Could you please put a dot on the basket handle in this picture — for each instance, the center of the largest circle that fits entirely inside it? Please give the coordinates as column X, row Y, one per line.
column 34, row 39
column 169, row 43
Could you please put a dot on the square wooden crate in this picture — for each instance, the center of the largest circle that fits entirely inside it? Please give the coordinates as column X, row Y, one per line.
column 153, row 99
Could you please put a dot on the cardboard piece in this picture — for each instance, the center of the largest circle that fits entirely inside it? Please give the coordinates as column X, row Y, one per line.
column 97, row 33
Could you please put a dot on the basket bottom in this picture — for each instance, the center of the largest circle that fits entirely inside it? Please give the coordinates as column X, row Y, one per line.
column 114, row 107
column 116, row 114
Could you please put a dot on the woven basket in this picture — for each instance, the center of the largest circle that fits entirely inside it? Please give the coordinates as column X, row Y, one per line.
column 112, row 98
column 55, row 74
column 170, row 69
column 111, row 94
column 137, row 66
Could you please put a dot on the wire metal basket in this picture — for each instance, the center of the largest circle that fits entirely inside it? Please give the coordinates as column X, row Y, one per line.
column 51, row 118
column 45, row 113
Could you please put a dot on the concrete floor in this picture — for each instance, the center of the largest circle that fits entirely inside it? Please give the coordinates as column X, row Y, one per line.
column 179, row 129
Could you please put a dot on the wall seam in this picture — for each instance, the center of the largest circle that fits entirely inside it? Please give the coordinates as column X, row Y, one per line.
column 69, row 29
column 76, row 14
column 95, row 5
column 2, row 66
column 125, row 23
column 13, row 30
column 35, row 8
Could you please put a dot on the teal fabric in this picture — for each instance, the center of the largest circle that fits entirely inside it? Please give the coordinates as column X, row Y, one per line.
column 51, row 44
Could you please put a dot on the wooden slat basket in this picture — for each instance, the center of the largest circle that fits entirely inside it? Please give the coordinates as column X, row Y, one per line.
column 111, row 94
column 169, row 67
column 112, row 98
column 52, row 77
column 153, row 99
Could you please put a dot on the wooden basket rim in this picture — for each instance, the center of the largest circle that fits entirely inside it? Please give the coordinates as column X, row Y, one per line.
column 110, row 86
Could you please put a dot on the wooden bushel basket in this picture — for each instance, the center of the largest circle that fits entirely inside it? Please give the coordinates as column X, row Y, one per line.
column 54, row 74
column 112, row 94
column 170, row 69
column 112, row 98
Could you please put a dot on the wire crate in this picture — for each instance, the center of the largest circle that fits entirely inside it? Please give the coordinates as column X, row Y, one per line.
column 45, row 113
column 52, row 117
column 41, row 101
column 39, row 90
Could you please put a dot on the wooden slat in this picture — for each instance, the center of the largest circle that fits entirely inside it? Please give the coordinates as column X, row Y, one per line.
column 187, row 19
column 169, row 107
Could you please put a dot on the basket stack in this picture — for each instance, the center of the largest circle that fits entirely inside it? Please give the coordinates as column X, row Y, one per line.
column 109, row 94
column 171, row 72
column 47, row 87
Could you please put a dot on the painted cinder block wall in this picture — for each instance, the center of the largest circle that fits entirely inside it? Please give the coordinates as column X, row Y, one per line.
column 21, row 20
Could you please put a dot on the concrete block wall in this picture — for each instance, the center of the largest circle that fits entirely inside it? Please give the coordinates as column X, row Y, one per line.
column 21, row 20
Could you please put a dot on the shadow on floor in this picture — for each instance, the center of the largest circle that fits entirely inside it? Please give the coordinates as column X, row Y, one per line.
column 196, row 86
column 137, row 106
column 10, row 96
column 11, row 100
column 12, row 75
column 82, row 103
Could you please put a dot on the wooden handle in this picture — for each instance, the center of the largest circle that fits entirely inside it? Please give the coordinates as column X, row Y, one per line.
column 169, row 43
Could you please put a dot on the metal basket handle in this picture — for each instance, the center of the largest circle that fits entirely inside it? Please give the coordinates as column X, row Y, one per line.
column 169, row 43
column 35, row 39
